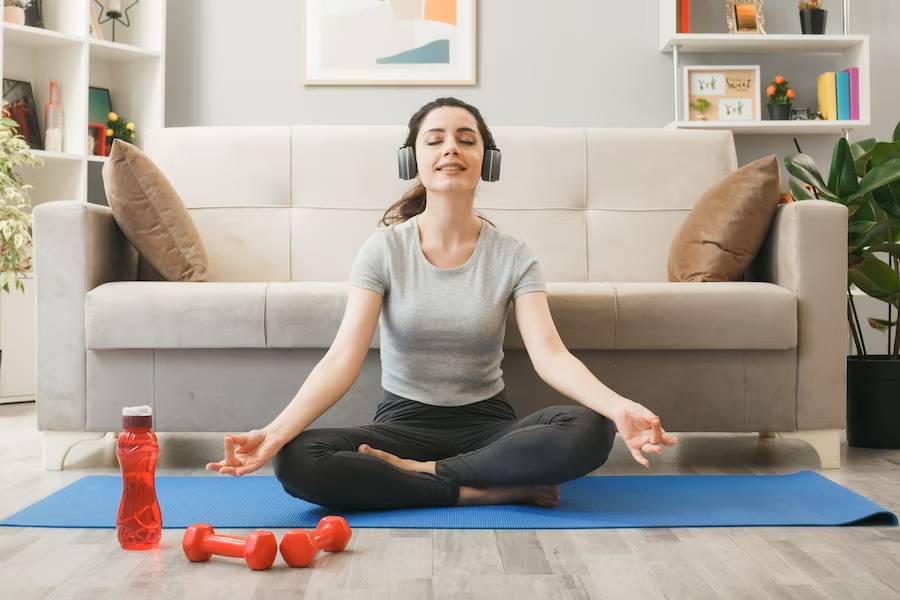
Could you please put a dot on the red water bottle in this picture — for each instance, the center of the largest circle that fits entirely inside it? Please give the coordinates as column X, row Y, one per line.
column 139, row 521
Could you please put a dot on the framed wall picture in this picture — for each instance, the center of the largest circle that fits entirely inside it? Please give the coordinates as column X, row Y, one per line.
column 722, row 93
column 388, row 42
column 744, row 16
column 23, row 110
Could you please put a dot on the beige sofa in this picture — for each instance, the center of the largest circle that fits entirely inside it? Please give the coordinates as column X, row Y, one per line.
column 283, row 211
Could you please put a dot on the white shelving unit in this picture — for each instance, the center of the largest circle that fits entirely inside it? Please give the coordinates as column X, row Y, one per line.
column 132, row 68
column 846, row 50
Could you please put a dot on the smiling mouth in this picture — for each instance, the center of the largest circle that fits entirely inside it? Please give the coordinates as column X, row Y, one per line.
column 450, row 169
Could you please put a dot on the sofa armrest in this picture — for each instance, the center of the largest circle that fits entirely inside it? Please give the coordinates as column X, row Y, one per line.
column 806, row 252
column 77, row 247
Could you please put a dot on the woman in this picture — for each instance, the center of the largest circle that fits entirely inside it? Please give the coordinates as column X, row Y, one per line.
column 440, row 278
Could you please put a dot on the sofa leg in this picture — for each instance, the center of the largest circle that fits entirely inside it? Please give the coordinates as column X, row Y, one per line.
column 826, row 443
column 56, row 445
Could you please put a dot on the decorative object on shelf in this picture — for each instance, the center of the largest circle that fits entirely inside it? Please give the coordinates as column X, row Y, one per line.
column 701, row 105
column 15, row 204
column 114, row 12
column 96, row 136
column 732, row 92
column 683, row 16
column 118, row 129
column 23, row 110
column 95, row 32
column 744, row 16
column 865, row 177
column 14, row 11
column 390, row 42
column 53, row 120
column 799, row 114
column 812, row 17
column 780, row 99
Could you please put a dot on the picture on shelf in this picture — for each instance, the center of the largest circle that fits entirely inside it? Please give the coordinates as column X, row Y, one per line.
column 744, row 16
column 34, row 14
column 96, row 139
column 99, row 105
column 95, row 32
column 22, row 109
column 722, row 92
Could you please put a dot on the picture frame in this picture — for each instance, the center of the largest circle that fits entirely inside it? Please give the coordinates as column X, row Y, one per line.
column 744, row 16
column 95, row 32
column 34, row 14
column 96, row 139
column 99, row 104
column 23, row 110
column 394, row 42
column 732, row 92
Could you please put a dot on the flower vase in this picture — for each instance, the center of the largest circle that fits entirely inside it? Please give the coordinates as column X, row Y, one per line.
column 780, row 112
column 14, row 14
column 812, row 20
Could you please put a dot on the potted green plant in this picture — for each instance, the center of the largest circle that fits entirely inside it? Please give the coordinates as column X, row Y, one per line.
column 781, row 98
column 15, row 205
column 812, row 16
column 701, row 105
column 865, row 177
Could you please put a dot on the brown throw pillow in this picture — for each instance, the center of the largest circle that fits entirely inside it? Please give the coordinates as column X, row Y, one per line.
column 152, row 215
column 726, row 228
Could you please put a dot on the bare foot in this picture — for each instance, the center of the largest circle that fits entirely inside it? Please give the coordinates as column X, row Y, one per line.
column 401, row 463
column 546, row 496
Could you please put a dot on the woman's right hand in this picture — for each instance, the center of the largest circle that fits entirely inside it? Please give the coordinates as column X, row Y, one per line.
column 254, row 449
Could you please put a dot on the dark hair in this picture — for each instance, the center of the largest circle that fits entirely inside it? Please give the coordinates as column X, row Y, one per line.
column 412, row 202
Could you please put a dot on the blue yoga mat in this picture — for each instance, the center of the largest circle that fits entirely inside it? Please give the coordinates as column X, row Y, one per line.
column 593, row 502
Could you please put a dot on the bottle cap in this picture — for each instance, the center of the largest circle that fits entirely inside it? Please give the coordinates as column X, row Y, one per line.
column 137, row 417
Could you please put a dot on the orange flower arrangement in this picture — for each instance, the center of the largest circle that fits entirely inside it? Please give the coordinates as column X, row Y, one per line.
column 779, row 91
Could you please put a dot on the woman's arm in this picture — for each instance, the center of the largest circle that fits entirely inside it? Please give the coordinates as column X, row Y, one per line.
column 338, row 369
column 554, row 363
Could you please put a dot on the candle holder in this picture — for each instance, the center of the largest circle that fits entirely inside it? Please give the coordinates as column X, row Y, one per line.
column 114, row 13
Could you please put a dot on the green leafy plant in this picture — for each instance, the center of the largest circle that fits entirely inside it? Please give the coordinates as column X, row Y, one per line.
column 701, row 105
column 779, row 91
column 15, row 204
column 864, row 177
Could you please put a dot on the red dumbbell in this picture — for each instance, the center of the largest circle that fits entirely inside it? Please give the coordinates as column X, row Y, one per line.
column 258, row 549
column 299, row 547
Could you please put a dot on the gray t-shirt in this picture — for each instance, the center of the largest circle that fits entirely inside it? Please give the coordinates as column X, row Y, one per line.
column 442, row 330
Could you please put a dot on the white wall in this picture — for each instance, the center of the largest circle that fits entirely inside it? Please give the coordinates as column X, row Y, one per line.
column 567, row 62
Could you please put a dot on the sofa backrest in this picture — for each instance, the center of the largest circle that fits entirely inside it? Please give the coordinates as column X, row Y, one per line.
column 295, row 203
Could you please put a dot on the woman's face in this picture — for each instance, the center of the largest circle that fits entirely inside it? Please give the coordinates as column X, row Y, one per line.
column 449, row 150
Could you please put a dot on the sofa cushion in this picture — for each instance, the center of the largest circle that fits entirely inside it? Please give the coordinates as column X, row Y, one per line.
column 726, row 228
column 589, row 316
column 710, row 316
column 152, row 215
column 166, row 314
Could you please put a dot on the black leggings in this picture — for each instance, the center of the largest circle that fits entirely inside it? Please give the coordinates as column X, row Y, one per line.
column 478, row 445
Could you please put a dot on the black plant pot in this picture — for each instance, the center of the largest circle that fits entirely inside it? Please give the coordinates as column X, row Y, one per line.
column 812, row 20
column 780, row 112
column 873, row 402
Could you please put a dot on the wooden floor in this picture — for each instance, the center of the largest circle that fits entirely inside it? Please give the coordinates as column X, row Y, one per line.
column 798, row 563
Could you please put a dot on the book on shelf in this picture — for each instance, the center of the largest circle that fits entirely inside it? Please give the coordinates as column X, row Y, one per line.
column 838, row 94
column 683, row 16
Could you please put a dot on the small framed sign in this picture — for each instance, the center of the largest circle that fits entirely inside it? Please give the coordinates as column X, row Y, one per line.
column 744, row 16
column 722, row 93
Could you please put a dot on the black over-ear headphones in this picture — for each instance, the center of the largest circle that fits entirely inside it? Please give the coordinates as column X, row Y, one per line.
column 490, row 166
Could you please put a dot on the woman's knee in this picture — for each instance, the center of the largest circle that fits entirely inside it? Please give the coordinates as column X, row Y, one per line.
column 593, row 434
column 298, row 464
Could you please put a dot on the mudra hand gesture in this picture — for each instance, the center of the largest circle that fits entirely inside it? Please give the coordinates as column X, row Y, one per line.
column 641, row 431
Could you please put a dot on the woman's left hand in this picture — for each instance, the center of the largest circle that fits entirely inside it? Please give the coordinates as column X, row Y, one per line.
column 641, row 430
